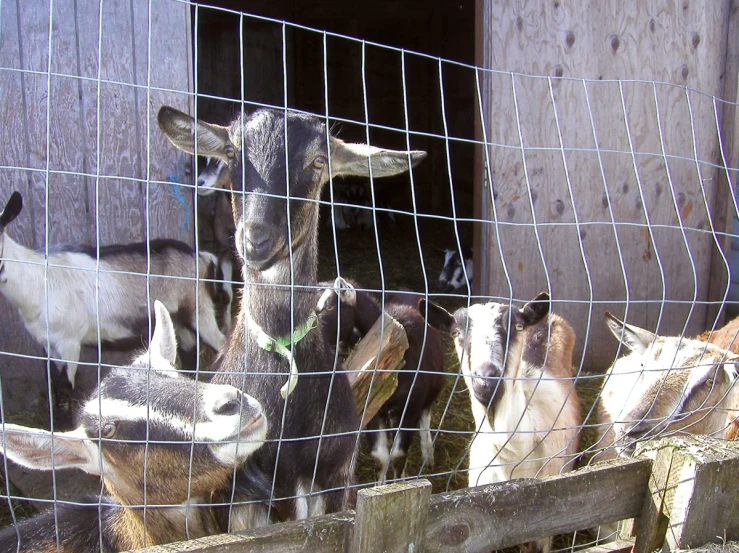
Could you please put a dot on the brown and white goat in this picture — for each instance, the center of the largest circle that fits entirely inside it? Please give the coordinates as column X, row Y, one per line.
column 278, row 163
column 727, row 337
column 161, row 445
column 350, row 312
column 63, row 297
column 663, row 386
column 517, row 364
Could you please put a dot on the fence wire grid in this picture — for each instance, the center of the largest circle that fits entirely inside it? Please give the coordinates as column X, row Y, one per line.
column 608, row 195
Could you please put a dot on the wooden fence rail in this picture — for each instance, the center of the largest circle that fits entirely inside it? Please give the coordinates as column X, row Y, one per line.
column 683, row 491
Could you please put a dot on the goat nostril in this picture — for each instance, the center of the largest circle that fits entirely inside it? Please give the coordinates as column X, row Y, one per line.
column 256, row 235
column 228, row 408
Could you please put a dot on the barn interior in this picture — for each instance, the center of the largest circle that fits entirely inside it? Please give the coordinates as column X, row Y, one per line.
column 359, row 80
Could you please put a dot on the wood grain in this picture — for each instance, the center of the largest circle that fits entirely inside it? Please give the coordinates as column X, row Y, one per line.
column 392, row 518
column 599, row 196
column 373, row 364
column 501, row 515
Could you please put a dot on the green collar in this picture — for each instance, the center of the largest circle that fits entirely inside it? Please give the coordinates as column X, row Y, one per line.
column 280, row 346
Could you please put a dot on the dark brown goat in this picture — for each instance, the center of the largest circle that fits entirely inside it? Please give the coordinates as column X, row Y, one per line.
column 278, row 163
column 419, row 382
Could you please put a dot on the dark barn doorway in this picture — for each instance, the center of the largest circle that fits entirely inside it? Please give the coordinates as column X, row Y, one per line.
column 291, row 64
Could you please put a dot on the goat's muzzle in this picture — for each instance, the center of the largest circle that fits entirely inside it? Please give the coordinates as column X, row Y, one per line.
column 487, row 384
column 256, row 244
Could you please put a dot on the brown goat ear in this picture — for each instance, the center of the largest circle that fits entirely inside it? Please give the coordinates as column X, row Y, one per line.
column 12, row 209
column 179, row 128
column 635, row 338
column 356, row 159
column 436, row 316
column 535, row 310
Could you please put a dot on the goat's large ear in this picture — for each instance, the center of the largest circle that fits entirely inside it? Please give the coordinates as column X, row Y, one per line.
column 635, row 338
column 36, row 449
column 437, row 317
column 179, row 128
column 164, row 342
column 355, row 159
column 535, row 310
column 12, row 209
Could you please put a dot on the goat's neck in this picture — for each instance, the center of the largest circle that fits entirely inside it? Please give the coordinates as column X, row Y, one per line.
column 130, row 528
column 271, row 296
column 22, row 276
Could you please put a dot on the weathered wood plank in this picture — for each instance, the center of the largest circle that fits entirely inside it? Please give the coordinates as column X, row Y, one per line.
column 574, row 210
column 372, row 366
column 693, row 496
column 392, row 518
column 618, row 546
column 724, row 209
column 492, row 517
column 325, row 534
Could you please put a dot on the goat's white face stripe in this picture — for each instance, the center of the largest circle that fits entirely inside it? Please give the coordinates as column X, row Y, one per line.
column 222, row 429
column 483, row 337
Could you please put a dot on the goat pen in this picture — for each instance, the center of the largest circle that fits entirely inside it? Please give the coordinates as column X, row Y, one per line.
column 591, row 154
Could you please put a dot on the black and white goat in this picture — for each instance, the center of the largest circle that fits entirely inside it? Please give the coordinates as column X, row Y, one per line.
column 517, row 364
column 350, row 312
column 457, row 270
column 664, row 385
column 155, row 440
column 85, row 290
column 272, row 156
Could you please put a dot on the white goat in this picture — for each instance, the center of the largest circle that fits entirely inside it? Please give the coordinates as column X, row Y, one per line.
column 517, row 364
column 664, row 386
column 62, row 298
column 155, row 440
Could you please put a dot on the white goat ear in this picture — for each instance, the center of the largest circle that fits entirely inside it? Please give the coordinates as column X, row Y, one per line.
column 36, row 449
column 179, row 128
column 635, row 338
column 164, row 342
column 355, row 159
column 346, row 291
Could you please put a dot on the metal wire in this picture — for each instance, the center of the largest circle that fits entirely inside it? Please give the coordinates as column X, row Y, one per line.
column 451, row 436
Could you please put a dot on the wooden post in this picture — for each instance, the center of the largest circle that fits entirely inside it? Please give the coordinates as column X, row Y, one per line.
column 692, row 498
column 392, row 518
column 372, row 366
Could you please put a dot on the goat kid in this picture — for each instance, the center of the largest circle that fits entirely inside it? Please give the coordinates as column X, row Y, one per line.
column 664, row 386
column 517, row 364
column 156, row 440
column 84, row 290
column 274, row 156
column 347, row 313
column 457, row 270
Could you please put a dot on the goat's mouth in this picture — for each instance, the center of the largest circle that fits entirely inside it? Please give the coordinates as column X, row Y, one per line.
column 255, row 429
column 487, row 391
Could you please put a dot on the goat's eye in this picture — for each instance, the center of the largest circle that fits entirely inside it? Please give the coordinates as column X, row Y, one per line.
column 229, row 151
column 708, row 383
column 320, row 162
column 455, row 333
column 108, row 430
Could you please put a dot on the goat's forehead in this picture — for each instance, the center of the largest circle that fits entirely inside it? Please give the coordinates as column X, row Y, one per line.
column 488, row 316
column 265, row 130
column 135, row 389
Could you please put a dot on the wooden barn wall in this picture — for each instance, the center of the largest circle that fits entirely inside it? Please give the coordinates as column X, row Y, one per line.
column 57, row 108
column 598, row 195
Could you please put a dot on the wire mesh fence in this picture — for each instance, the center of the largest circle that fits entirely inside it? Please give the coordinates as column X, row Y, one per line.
column 289, row 362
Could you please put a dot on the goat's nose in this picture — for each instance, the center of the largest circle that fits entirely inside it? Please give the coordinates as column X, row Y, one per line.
column 489, row 372
column 257, row 236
